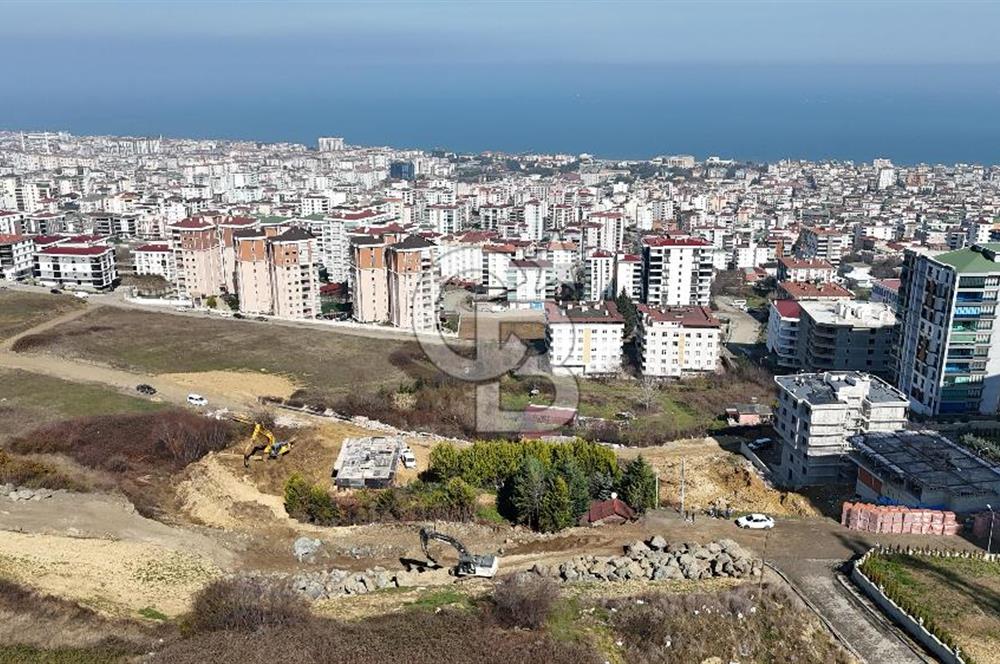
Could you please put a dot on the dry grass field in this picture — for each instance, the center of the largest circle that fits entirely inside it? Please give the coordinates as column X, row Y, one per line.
column 325, row 363
column 21, row 311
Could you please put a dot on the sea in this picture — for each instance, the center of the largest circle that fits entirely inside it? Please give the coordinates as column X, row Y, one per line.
column 909, row 113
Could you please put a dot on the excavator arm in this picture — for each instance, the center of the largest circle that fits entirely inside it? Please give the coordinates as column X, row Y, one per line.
column 468, row 564
column 253, row 446
column 427, row 535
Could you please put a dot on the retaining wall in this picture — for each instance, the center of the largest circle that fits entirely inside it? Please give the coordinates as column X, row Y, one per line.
column 913, row 626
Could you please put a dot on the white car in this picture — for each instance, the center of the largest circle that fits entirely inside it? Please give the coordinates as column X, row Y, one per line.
column 197, row 400
column 408, row 458
column 755, row 522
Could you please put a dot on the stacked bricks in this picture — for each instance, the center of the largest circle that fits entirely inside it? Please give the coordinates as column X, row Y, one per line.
column 897, row 520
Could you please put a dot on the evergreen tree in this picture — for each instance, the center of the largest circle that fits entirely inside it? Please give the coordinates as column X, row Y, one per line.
column 576, row 482
column 444, row 462
column 638, row 485
column 628, row 311
column 527, row 492
column 602, row 485
column 556, row 511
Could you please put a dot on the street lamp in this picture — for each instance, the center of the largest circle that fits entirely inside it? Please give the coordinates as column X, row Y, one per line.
column 993, row 516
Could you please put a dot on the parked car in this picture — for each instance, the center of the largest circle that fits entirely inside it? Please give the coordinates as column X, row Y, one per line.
column 755, row 522
column 143, row 388
column 238, row 315
column 261, row 319
column 55, row 291
column 81, row 295
column 408, row 458
column 759, row 444
column 197, row 400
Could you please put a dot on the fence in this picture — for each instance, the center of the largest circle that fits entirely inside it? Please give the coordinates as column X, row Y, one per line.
column 897, row 520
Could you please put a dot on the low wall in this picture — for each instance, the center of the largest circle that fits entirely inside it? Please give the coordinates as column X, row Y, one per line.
column 913, row 626
column 754, row 459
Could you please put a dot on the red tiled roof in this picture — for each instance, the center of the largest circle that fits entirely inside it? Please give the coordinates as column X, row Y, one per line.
column 798, row 290
column 788, row 308
column 685, row 316
column 793, row 263
column 602, row 509
column 11, row 239
column 74, row 251
column 153, row 247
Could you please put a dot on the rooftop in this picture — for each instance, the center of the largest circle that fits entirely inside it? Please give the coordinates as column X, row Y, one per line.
column 977, row 259
column 583, row 312
column 927, row 460
column 803, row 290
column 369, row 459
column 684, row 316
column 829, row 388
column 853, row 313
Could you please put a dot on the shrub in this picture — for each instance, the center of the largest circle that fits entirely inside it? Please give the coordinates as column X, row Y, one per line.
column 167, row 440
column 307, row 502
column 524, row 600
column 246, row 604
column 35, row 474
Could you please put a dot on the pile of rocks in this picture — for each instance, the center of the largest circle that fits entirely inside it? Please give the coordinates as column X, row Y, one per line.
column 327, row 584
column 20, row 493
column 656, row 560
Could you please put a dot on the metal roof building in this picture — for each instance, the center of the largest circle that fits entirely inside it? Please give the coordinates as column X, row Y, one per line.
column 923, row 469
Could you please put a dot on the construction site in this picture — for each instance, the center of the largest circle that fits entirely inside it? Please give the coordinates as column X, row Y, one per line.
column 120, row 512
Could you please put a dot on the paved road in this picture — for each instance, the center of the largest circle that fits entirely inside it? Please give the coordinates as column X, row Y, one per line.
column 809, row 552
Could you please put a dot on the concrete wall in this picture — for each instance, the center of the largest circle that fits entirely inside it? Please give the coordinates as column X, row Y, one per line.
column 913, row 626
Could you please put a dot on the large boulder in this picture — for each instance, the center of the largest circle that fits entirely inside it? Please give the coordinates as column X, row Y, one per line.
column 305, row 548
column 657, row 543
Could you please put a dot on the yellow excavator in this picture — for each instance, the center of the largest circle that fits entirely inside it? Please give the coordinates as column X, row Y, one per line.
column 268, row 448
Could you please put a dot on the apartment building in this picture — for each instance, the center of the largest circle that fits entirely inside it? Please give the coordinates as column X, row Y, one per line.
column 227, row 228
column 16, row 257
column 77, row 264
column 948, row 359
column 496, row 263
column 676, row 270
column 676, row 341
column 628, row 276
column 846, row 335
column 253, row 272
column 805, row 269
column 294, row 274
column 817, row 414
column 783, row 332
column 886, row 290
column 585, row 338
column 599, row 276
column 370, row 281
column 155, row 259
column 823, row 244
column 197, row 257
column 529, row 283
column 413, row 284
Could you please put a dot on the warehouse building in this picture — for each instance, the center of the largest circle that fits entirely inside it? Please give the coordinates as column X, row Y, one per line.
column 923, row 469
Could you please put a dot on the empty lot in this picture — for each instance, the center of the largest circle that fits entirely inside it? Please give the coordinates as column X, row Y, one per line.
column 20, row 311
column 326, row 363
column 28, row 400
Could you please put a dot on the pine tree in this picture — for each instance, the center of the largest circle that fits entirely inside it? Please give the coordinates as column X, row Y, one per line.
column 576, row 482
column 628, row 311
column 638, row 485
column 601, row 485
column 527, row 492
column 556, row 510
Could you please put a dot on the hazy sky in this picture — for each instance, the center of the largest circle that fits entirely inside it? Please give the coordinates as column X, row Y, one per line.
column 793, row 31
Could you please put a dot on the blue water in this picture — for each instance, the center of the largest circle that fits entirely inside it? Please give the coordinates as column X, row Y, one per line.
column 940, row 114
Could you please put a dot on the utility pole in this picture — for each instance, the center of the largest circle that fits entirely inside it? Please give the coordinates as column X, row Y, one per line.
column 682, row 487
column 993, row 517
column 763, row 563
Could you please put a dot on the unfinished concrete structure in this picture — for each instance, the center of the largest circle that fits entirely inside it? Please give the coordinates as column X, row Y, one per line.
column 923, row 469
column 368, row 462
column 817, row 414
